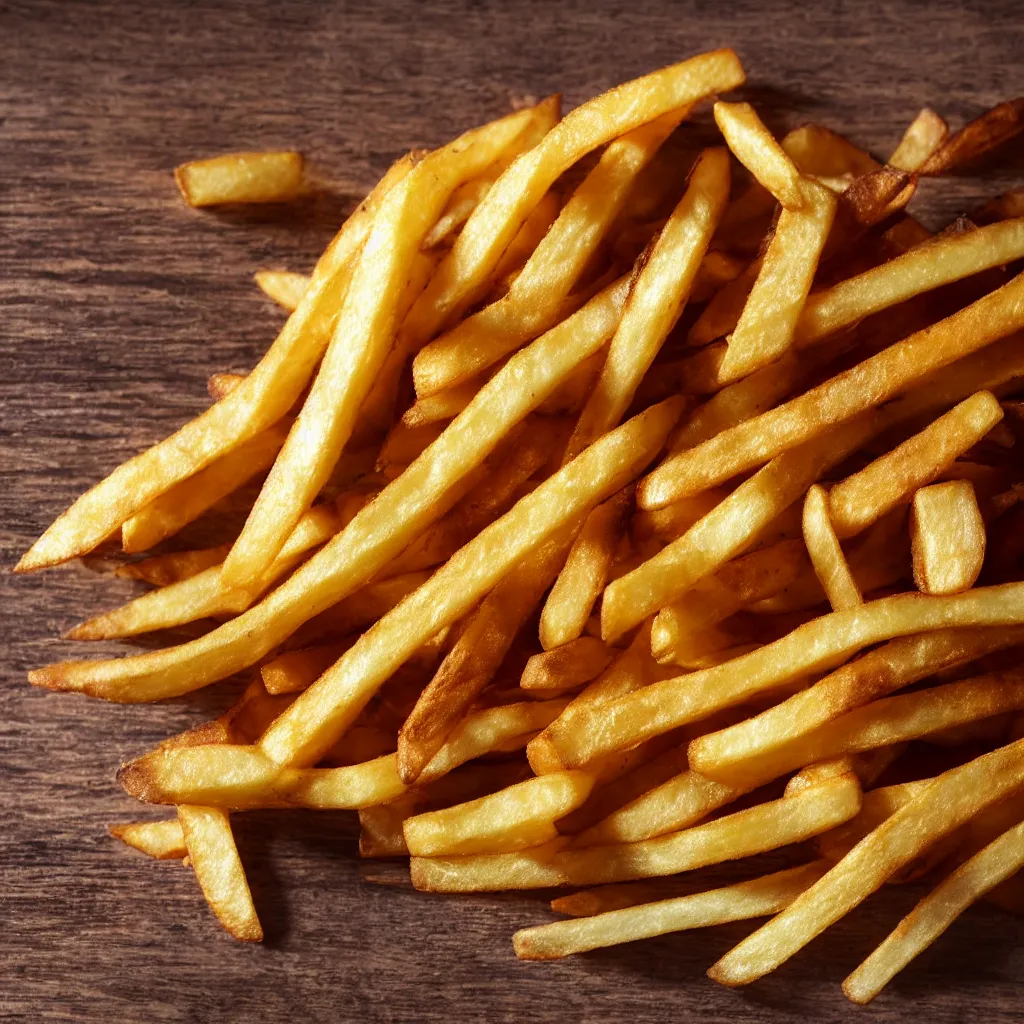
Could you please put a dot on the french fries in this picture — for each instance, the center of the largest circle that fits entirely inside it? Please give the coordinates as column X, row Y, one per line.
column 468, row 618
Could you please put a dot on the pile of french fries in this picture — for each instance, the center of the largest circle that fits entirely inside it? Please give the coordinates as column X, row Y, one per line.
column 623, row 512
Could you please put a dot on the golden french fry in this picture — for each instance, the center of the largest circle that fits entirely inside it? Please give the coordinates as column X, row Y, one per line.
column 723, row 312
column 830, row 565
column 324, row 711
column 824, row 153
column 294, row 671
column 161, row 840
column 377, row 534
column 533, row 232
column 923, row 137
column 991, row 129
column 160, row 570
column 657, row 298
column 861, row 499
column 214, row 859
column 769, row 319
column 567, row 667
column 515, row 818
column 753, row 145
column 952, row 798
column 219, row 385
column 820, row 644
column 260, row 400
column 794, row 818
column 672, row 521
column 478, row 653
column 362, row 335
column 285, row 287
column 897, row 664
column 272, row 177
column 535, row 299
column 935, row 913
column 584, row 574
column 181, row 504
column 871, row 382
column 495, row 221
column 757, row 898
column 947, row 537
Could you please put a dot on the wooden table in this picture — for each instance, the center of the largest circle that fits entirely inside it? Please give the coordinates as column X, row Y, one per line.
column 118, row 302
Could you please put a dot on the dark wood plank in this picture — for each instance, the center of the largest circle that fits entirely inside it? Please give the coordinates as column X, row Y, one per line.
column 117, row 302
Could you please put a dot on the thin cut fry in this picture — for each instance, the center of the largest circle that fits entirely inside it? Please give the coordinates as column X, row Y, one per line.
column 285, row 287
column 241, row 178
column 923, row 136
column 950, row 800
column 214, row 858
column 174, row 566
column 296, row 670
column 991, row 129
column 947, row 537
column 567, row 667
column 830, row 565
column 756, row 898
column 161, row 840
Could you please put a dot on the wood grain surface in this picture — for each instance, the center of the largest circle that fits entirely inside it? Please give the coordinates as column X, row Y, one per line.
column 117, row 302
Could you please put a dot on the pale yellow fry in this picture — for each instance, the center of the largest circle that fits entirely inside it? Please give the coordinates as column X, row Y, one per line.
column 921, row 269
column 658, row 297
column 444, row 405
column 757, row 898
column 188, row 500
column 830, row 565
column 360, row 342
column 583, row 577
column 947, row 536
column 820, row 644
column 261, row 399
column 269, row 177
column 202, row 596
column 953, row 798
column 174, row 566
column 533, row 302
column 896, row 664
column 768, row 323
column 822, row 152
column 755, row 147
column 495, row 221
column 326, row 709
column 860, row 500
column 726, row 531
column 514, row 818
column 214, row 859
column 285, row 287
column 923, row 136
column 567, row 667
column 999, row 860
column 768, row 826
column 878, row 378
column 891, row 720
column 161, row 840
column 376, row 535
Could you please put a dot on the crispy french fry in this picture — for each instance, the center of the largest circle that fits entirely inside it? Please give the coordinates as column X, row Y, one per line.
column 830, row 565
column 723, row 312
column 495, row 221
column 947, row 537
column 567, row 667
column 515, row 818
column 535, row 299
column 672, row 521
column 161, row 840
column 897, row 664
column 260, row 400
column 272, row 177
column 824, row 153
column 861, row 499
column 936, row 912
column 922, row 138
column 377, row 533
column 175, row 508
column 294, row 671
column 991, row 129
column 753, row 145
column 757, row 898
column 876, row 379
column 584, row 574
column 657, row 298
column 219, row 385
column 769, row 319
column 160, row 570
column 951, row 799
column 324, row 711
column 214, row 858
column 820, row 644
column 284, row 287
column 364, row 331
column 471, row 664
column 793, row 818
